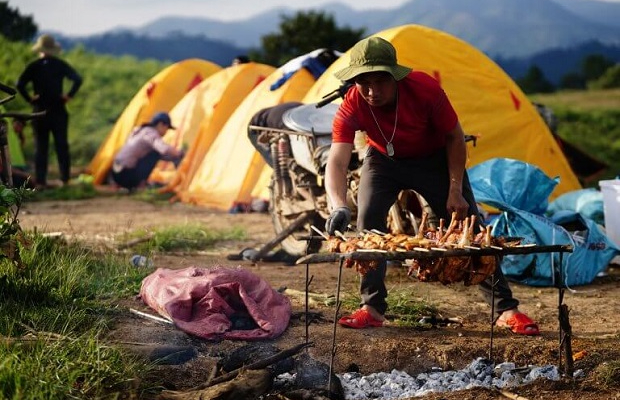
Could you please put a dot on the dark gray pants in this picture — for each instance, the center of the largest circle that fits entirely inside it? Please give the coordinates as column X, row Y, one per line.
column 131, row 178
column 55, row 122
column 382, row 178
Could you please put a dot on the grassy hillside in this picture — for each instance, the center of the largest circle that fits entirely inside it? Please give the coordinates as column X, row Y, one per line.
column 591, row 121
column 109, row 84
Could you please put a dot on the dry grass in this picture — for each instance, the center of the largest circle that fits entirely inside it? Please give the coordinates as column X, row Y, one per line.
column 581, row 100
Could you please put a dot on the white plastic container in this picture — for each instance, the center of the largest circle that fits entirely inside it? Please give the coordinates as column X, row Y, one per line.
column 611, row 206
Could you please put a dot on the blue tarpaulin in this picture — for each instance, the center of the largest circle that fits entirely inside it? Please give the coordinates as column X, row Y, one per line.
column 520, row 191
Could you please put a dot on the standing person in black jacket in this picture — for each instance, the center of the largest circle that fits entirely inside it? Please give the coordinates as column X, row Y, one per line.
column 47, row 74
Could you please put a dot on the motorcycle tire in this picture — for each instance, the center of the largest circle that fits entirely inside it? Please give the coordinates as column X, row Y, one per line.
column 291, row 244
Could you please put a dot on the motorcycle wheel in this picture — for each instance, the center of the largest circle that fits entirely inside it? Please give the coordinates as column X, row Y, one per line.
column 290, row 244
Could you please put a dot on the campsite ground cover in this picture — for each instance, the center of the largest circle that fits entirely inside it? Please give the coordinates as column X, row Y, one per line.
column 104, row 221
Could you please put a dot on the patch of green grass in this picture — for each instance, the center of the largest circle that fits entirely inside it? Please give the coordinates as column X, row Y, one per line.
column 61, row 296
column 403, row 308
column 152, row 195
column 608, row 374
column 406, row 309
column 61, row 287
column 65, row 367
column 187, row 237
column 74, row 191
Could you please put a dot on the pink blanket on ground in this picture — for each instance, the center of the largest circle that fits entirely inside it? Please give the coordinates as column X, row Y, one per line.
column 201, row 302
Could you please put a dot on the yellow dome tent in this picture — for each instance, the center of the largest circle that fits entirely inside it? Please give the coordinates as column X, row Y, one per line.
column 200, row 115
column 160, row 93
column 488, row 102
column 232, row 171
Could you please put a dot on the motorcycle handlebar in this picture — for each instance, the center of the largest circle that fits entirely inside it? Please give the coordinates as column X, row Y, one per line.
column 340, row 92
column 7, row 89
column 22, row 116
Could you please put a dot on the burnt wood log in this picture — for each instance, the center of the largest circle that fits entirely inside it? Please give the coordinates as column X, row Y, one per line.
column 249, row 384
column 260, row 364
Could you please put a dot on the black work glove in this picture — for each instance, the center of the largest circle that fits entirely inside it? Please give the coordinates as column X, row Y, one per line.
column 338, row 220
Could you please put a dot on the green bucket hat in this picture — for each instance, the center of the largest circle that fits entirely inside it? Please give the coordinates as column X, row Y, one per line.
column 373, row 54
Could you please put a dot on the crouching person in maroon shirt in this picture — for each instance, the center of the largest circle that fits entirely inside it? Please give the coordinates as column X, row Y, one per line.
column 144, row 148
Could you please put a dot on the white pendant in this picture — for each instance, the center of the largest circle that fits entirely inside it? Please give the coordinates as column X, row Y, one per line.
column 390, row 149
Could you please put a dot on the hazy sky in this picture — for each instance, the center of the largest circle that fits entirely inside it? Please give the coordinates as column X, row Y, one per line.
column 77, row 17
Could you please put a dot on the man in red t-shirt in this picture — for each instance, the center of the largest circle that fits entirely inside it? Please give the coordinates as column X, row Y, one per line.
column 415, row 141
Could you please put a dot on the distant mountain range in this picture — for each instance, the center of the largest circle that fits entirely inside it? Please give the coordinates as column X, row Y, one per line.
column 512, row 31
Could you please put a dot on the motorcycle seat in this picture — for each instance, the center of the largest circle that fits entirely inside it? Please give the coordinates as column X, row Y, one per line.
column 308, row 118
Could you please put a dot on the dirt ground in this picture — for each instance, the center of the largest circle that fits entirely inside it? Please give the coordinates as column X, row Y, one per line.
column 594, row 309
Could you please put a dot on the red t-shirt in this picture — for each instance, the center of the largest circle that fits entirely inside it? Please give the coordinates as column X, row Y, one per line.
column 425, row 116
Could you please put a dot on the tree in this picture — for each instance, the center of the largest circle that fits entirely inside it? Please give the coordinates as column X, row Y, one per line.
column 609, row 80
column 573, row 80
column 14, row 26
column 303, row 33
column 594, row 66
column 535, row 81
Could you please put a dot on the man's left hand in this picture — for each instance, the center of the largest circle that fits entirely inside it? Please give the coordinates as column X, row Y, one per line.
column 458, row 204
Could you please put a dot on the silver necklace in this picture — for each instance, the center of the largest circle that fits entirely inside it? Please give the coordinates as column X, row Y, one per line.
column 389, row 147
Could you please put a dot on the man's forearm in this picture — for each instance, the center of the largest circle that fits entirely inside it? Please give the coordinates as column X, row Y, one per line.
column 457, row 157
column 336, row 174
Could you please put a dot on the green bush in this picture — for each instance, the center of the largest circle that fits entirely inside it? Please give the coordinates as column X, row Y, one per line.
column 609, row 80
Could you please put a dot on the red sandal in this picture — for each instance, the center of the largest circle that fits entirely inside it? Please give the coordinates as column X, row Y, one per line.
column 360, row 319
column 520, row 324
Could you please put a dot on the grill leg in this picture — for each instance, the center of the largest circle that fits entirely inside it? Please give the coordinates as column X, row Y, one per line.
column 492, row 316
column 333, row 355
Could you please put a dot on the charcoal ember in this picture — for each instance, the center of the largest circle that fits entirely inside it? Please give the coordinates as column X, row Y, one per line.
column 314, row 374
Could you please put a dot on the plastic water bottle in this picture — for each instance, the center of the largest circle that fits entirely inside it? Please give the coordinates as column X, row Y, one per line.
column 140, row 261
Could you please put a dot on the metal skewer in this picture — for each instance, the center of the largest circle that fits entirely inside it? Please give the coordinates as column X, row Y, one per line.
column 340, row 235
column 317, row 230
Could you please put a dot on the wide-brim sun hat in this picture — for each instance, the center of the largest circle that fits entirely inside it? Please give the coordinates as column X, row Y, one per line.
column 373, row 54
column 46, row 44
